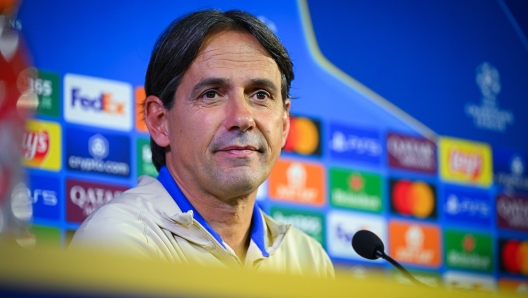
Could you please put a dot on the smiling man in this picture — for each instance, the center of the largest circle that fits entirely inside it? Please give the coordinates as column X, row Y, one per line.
column 217, row 110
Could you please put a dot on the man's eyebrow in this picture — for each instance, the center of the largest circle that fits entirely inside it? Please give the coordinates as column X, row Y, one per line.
column 207, row 82
column 265, row 83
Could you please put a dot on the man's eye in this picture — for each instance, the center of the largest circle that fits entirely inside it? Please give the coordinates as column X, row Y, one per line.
column 210, row 94
column 261, row 95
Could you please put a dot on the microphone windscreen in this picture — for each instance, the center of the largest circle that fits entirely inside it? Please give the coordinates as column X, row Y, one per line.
column 365, row 243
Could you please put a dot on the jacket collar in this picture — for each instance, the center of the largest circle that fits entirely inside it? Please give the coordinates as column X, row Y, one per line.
column 257, row 222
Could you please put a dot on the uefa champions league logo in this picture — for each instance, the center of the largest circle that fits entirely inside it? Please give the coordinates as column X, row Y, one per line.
column 488, row 115
column 488, row 80
column 517, row 165
column 98, row 146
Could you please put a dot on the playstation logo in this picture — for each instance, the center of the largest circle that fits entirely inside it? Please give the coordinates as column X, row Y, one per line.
column 98, row 146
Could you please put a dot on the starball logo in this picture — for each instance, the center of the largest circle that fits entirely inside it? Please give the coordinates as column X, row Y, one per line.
column 97, row 102
column 41, row 146
column 510, row 168
column 465, row 162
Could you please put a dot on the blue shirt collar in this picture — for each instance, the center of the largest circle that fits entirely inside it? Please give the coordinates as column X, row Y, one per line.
column 257, row 224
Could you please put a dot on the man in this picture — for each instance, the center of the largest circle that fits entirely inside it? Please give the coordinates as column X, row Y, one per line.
column 217, row 110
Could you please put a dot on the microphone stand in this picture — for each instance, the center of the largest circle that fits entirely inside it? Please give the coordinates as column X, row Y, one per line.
column 386, row 257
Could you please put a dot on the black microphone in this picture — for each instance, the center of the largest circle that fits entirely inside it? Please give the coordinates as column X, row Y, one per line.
column 369, row 246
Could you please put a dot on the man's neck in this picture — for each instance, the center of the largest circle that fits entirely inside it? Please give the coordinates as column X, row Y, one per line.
column 232, row 223
column 229, row 217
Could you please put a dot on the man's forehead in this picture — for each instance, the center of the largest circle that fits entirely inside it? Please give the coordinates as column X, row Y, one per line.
column 235, row 54
column 240, row 43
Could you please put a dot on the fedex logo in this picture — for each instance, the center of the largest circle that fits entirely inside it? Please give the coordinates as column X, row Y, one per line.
column 98, row 102
column 103, row 103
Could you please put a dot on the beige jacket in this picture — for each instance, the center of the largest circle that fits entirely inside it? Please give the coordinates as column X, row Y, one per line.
column 145, row 221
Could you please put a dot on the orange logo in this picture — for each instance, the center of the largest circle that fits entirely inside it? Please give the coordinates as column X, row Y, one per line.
column 140, row 98
column 415, row 244
column 304, row 136
column 298, row 182
column 41, row 146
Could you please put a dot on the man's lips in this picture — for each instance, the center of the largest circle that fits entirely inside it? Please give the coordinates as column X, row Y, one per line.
column 238, row 148
column 239, row 151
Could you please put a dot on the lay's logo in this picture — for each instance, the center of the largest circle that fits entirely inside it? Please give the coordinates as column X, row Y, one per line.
column 97, row 102
column 465, row 162
column 41, row 145
column 35, row 145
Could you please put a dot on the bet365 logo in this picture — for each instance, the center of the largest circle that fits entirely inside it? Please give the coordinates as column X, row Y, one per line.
column 41, row 146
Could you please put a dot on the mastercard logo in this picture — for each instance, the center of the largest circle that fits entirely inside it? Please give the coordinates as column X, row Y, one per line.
column 514, row 256
column 413, row 198
column 304, row 137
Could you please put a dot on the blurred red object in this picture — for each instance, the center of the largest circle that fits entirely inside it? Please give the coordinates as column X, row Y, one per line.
column 15, row 98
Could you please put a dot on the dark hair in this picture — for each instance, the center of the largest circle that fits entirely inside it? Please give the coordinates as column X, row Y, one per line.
column 178, row 46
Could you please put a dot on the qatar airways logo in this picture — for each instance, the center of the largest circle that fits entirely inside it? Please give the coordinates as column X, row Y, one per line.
column 512, row 212
column 411, row 153
column 97, row 102
column 84, row 197
column 469, row 164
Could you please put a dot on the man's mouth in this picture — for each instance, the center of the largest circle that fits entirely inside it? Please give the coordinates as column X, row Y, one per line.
column 239, row 150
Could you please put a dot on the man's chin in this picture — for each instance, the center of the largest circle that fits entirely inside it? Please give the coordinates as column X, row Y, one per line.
column 239, row 185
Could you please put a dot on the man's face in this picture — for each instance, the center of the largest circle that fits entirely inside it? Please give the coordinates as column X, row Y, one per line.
column 228, row 123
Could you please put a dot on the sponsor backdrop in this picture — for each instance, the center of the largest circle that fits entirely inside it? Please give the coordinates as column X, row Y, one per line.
column 409, row 120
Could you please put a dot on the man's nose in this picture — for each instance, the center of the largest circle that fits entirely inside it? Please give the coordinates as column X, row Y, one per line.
column 239, row 114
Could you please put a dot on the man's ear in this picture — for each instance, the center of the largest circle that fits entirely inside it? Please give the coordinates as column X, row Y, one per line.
column 285, row 121
column 156, row 118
